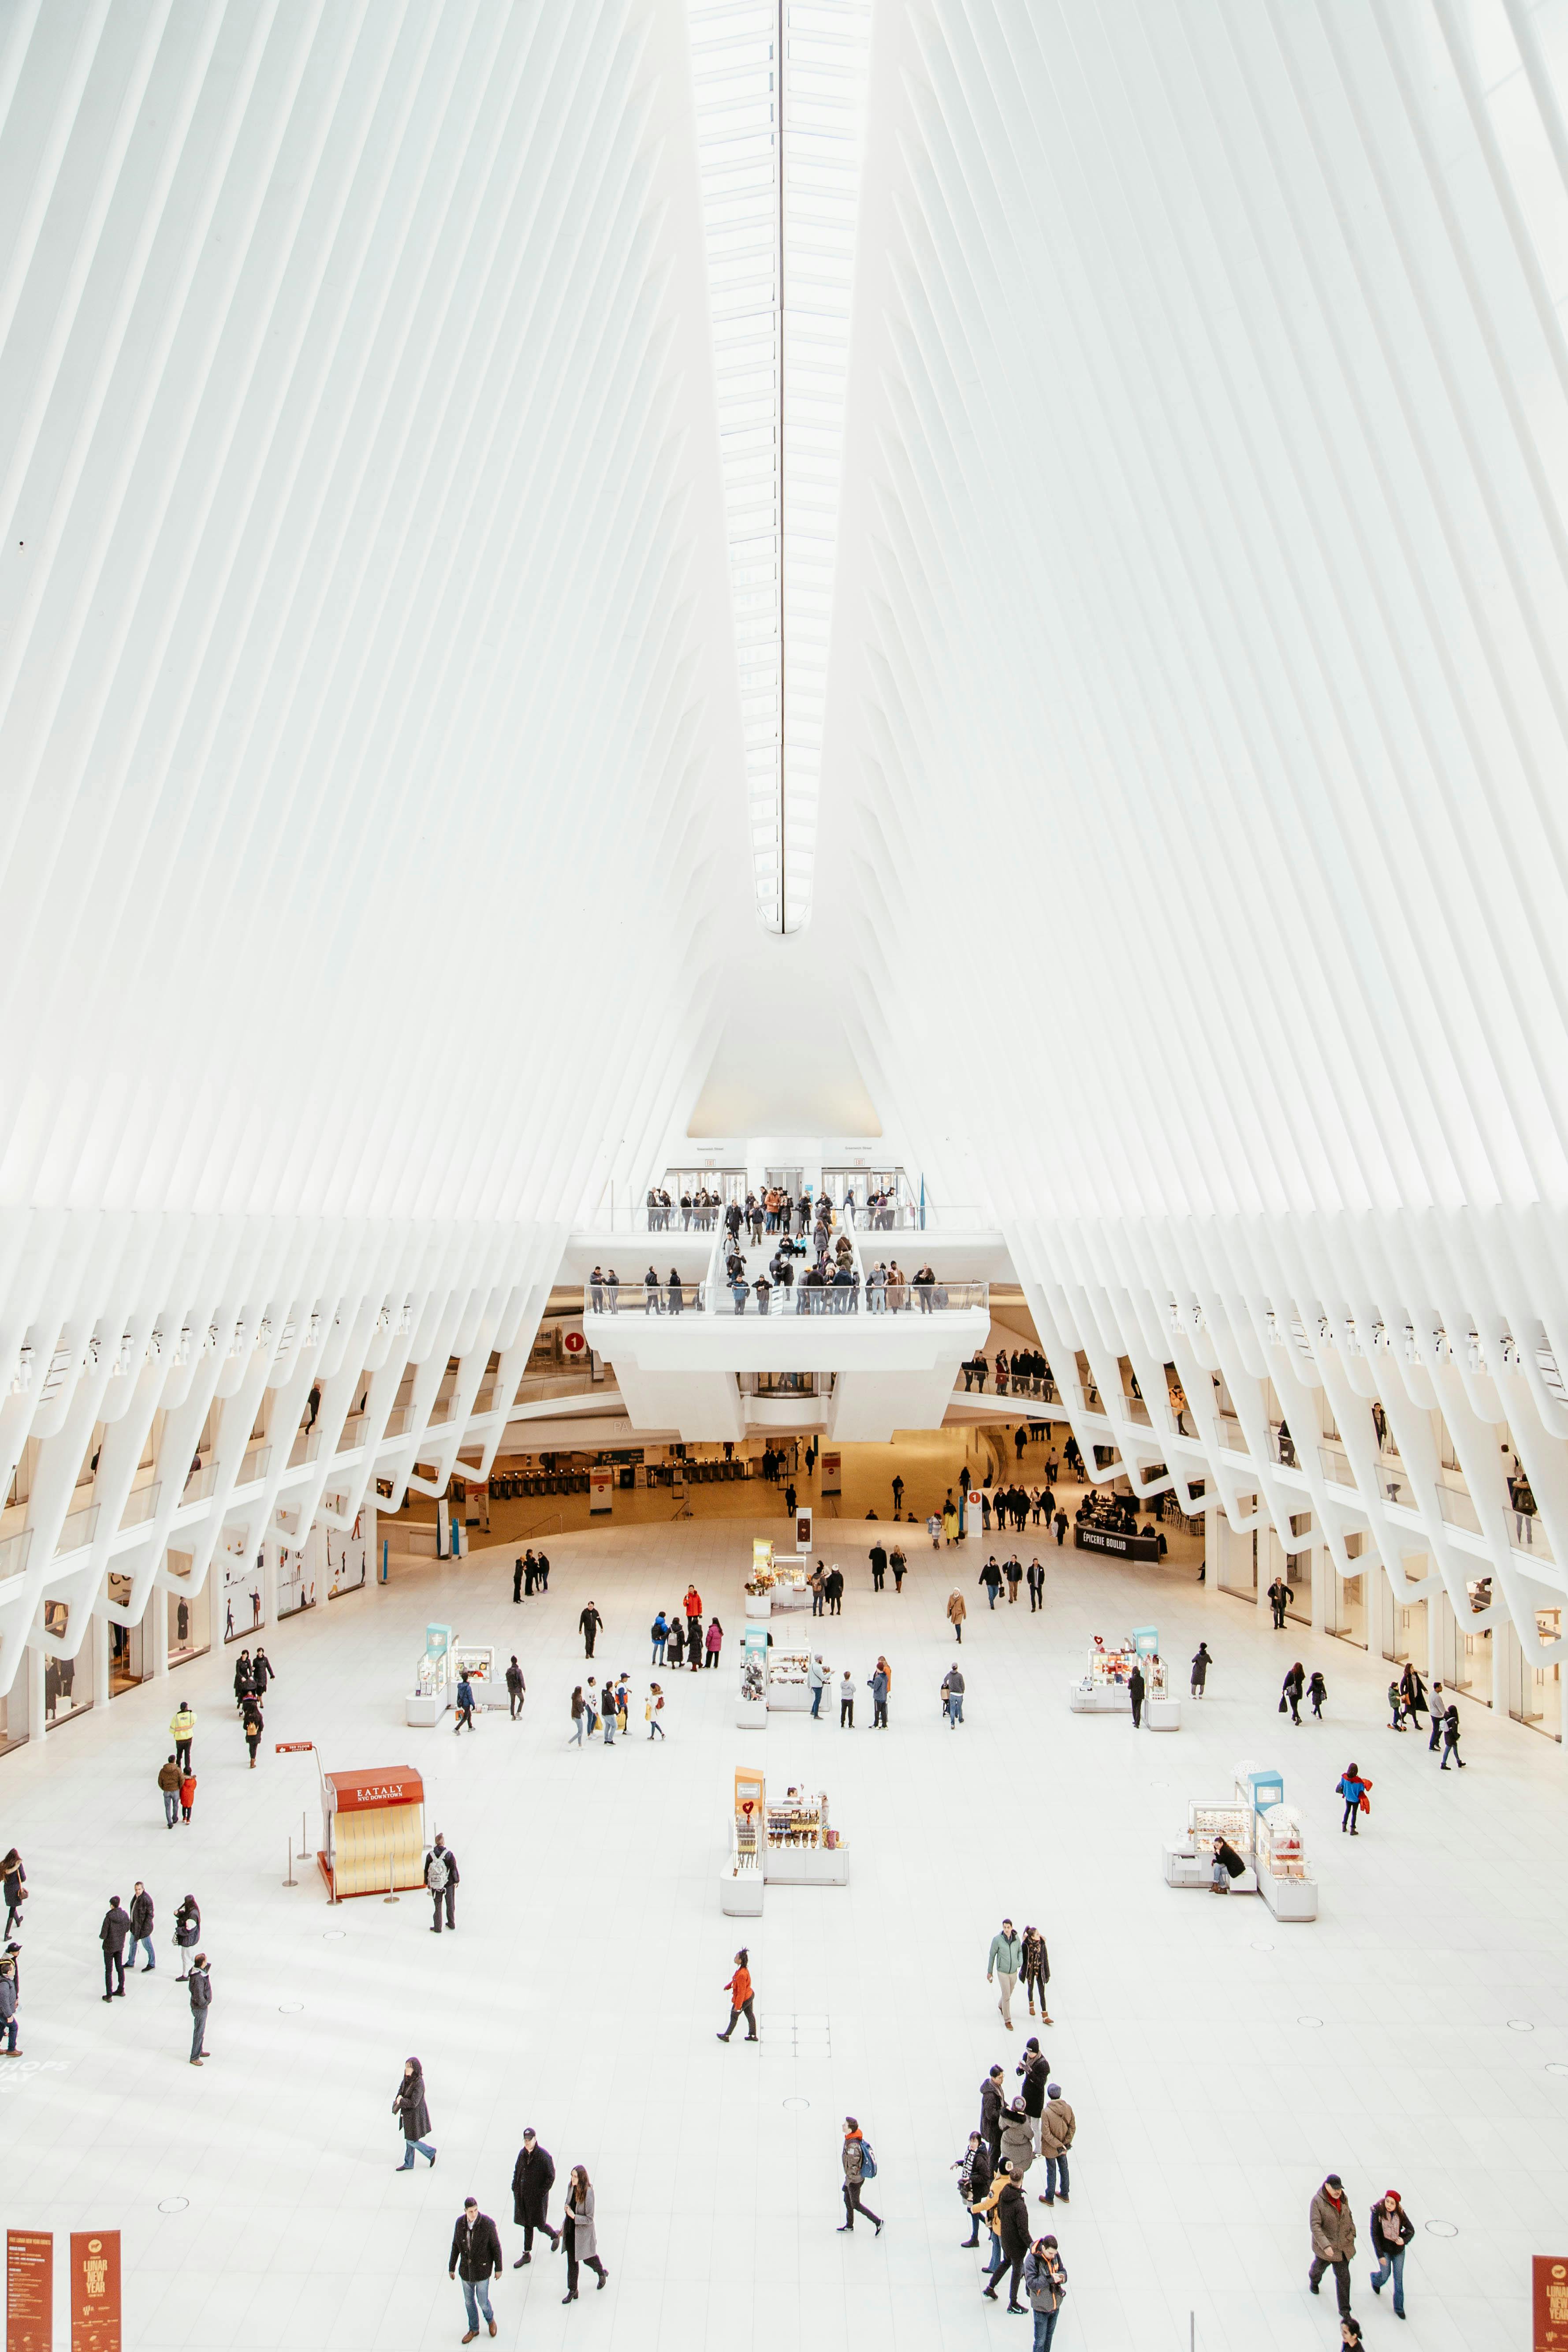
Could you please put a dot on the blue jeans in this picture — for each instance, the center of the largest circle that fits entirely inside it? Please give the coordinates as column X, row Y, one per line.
column 1053, row 2164
column 991, row 1592
column 143, row 1944
column 816, row 1700
column 658, row 1652
column 1045, row 2328
column 996, row 2262
column 954, row 1709
column 171, row 1806
column 579, row 1727
column 1394, row 2264
column 609, row 1730
column 476, row 2299
column 413, row 2146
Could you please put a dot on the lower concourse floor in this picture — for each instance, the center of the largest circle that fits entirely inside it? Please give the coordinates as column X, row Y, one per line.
column 1219, row 2064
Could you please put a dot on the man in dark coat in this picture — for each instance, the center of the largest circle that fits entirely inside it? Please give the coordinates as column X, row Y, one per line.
column 141, row 1926
column 517, row 1581
column 532, row 2178
column 974, row 2181
column 1013, row 2228
column 588, row 1625
column 991, row 2095
column 199, row 1983
column 475, row 2253
column 112, row 1936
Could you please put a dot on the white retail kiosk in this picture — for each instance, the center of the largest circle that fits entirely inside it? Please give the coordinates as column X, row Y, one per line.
column 1265, row 1832
column 1103, row 1686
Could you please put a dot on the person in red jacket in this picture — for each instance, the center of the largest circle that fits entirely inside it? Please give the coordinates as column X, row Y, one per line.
column 740, row 1991
column 692, row 1605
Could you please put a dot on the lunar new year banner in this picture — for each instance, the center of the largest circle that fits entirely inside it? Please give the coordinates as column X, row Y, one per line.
column 95, row 2291
column 29, row 2291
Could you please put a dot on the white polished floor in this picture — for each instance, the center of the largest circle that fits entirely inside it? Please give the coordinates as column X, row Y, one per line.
column 1219, row 2064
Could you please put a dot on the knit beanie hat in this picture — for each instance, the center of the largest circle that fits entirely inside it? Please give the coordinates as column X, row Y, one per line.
column 1053, row 2090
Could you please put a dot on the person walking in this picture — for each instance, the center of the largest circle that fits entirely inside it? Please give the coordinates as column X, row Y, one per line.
column 1058, row 2126
column 714, row 1641
column 181, row 1730
column 1317, row 1691
column 1037, row 1584
column 252, row 1725
column 14, row 1885
column 653, row 1709
column 953, row 1695
column 111, row 1935
column 1291, row 1690
column 1044, row 2287
column 990, row 1577
column 187, row 1793
column 1135, row 1690
column 956, row 1613
column 1392, row 2230
column 1002, row 1965
column 1013, row 2237
column 532, row 2178
column 859, row 2165
column 1353, row 1789
column 1280, row 1595
column 974, row 2171
column 993, row 2097
column 847, row 1702
column 879, row 1566
column 578, row 2234
column 142, row 1928
column 198, row 1986
column 409, row 2105
column 877, row 1683
column 441, row 1878
column 465, row 1704
column 1451, row 1738
column 1439, row 1709
column 588, row 1625
column 187, row 1927
column 476, row 2257
column 1202, row 1662
column 10, row 2004
column 516, row 1689
column 897, row 1563
column 1036, row 1970
column 741, row 1996
column 1332, row 2227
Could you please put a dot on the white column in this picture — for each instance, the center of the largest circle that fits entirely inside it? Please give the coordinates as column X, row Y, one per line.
column 1379, row 1595
column 155, row 1631
column 35, row 1672
column 98, row 1640
column 1503, row 1645
column 269, row 1580
column 1321, row 1569
column 1436, row 1601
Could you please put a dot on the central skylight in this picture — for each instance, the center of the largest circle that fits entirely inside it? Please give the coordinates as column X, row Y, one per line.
column 780, row 160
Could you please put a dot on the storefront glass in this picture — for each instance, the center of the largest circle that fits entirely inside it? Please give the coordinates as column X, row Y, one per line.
column 127, row 1650
column 68, row 1682
column 190, row 1624
column 1346, row 1602
column 296, row 1584
column 1535, row 1692
column 348, row 1559
column 1236, row 1566
column 241, row 1593
column 1405, row 1638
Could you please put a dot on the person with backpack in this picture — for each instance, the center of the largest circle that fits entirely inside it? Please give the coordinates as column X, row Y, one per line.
column 441, row 1878
column 187, row 1927
column 859, row 2165
column 652, row 1711
column 741, row 1996
column 516, row 1689
column 660, row 1636
column 1044, row 2287
column 1058, row 2126
column 252, row 1726
column 1011, row 2224
column 974, row 2171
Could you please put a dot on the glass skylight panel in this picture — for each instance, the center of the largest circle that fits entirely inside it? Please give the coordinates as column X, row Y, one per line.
column 781, row 174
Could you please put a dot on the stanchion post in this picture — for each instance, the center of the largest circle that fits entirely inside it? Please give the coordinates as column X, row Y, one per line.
column 291, row 1880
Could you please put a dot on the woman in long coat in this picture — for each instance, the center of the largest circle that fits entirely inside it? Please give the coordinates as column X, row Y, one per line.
column 410, row 2107
column 578, row 2235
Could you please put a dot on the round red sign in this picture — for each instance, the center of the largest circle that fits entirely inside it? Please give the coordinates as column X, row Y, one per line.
column 574, row 1343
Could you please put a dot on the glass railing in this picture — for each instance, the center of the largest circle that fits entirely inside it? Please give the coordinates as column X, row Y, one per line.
column 849, row 1298
column 13, row 1552
column 1529, row 1535
column 1336, row 1464
column 1458, row 1510
column 643, row 1297
column 255, row 1466
column 886, row 1217
column 141, row 1505
column 1231, row 1436
column 79, row 1530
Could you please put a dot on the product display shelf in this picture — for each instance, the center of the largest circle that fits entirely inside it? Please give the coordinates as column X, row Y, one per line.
column 1284, row 1881
column 1189, row 1861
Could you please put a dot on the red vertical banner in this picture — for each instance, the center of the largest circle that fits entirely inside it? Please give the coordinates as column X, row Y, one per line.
column 1551, row 2303
column 95, row 2291
column 29, row 2289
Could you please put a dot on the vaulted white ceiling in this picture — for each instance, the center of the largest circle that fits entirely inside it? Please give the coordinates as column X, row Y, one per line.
column 391, row 775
